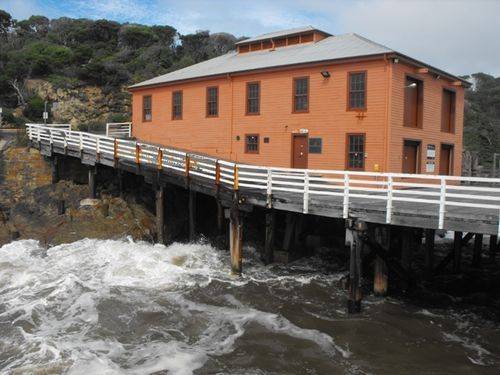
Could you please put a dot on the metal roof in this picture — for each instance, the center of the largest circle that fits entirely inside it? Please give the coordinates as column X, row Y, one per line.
column 328, row 49
column 278, row 34
column 331, row 48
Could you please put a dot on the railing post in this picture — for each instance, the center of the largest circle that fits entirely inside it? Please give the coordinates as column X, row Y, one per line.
column 115, row 150
column 65, row 141
column 97, row 148
column 388, row 216
column 159, row 159
column 130, row 130
column 269, row 202
column 137, row 153
column 188, row 162
column 305, row 207
column 81, row 141
column 442, row 203
column 217, row 172
column 236, row 184
column 346, row 196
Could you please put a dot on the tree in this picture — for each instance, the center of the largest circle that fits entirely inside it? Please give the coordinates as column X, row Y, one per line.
column 136, row 36
column 5, row 23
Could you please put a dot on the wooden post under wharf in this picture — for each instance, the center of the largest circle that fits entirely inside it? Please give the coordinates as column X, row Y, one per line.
column 430, row 235
column 478, row 248
column 92, row 182
column 380, row 269
column 54, row 169
column 192, row 215
column 160, row 214
column 493, row 247
column 235, row 236
column 356, row 248
column 269, row 239
column 457, row 251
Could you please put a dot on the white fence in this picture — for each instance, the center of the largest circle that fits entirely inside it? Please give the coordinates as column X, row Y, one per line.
column 119, row 129
column 440, row 193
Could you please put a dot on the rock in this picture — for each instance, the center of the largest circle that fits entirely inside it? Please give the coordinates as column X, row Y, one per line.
column 30, row 206
column 89, row 202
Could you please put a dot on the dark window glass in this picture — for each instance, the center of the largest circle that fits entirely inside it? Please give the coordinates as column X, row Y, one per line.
column 448, row 111
column 252, row 144
column 177, row 105
column 253, row 98
column 147, row 114
column 315, row 145
column 301, row 94
column 356, row 151
column 413, row 103
column 213, row 101
column 357, row 90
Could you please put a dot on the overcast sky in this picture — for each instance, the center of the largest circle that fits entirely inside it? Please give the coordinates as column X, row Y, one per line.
column 459, row 36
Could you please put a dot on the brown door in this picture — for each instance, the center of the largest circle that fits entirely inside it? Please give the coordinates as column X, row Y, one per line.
column 299, row 151
column 410, row 157
column 445, row 160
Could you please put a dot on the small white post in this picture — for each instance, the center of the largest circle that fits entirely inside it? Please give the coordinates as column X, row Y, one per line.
column 442, row 203
column 97, row 148
column 65, row 139
column 269, row 187
column 388, row 216
column 107, row 130
column 38, row 134
column 50, row 137
column 305, row 208
column 130, row 130
column 81, row 141
column 346, row 196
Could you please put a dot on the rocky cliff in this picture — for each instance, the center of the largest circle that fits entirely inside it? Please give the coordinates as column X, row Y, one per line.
column 32, row 207
column 84, row 105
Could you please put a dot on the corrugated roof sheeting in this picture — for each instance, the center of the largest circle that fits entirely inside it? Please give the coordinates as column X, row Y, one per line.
column 331, row 48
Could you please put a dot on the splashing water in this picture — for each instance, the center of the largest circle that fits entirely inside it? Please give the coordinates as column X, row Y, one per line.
column 97, row 306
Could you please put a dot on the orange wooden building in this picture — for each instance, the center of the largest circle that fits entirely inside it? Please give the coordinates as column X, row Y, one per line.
column 306, row 99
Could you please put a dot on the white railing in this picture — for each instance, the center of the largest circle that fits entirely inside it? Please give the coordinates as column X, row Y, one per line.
column 438, row 194
column 119, row 129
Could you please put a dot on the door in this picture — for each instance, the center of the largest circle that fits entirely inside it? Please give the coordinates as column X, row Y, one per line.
column 410, row 157
column 445, row 160
column 299, row 151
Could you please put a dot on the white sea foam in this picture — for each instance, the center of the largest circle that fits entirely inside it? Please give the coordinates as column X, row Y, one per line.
column 115, row 307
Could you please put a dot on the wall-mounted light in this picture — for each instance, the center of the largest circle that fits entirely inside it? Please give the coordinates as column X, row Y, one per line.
column 396, row 60
column 325, row 74
column 411, row 85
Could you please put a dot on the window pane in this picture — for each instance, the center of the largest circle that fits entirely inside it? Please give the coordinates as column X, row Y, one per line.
column 357, row 90
column 177, row 104
column 253, row 100
column 146, row 108
column 212, row 101
column 315, row 145
column 301, row 92
column 252, row 143
column 356, row 151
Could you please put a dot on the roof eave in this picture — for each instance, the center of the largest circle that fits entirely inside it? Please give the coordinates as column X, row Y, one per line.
column 435, row 70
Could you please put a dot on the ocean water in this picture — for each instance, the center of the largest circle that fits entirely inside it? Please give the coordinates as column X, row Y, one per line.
column 123, row 307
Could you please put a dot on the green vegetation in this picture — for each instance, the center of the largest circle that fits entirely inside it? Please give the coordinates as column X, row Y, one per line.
column 71, row 53
column 482, row 117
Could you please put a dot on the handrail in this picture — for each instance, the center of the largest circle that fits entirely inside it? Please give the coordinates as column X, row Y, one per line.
column 437, row 190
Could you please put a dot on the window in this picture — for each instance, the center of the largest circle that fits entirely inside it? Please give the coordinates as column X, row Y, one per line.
column 252, row 144
column 301, row 94
column 357, row 91
column 355, row 151
column 212, row 101
column 177, row 105
column 315, row 145
column 413, row 103
column 448, row 111
column 147, row 114
column 253, row 98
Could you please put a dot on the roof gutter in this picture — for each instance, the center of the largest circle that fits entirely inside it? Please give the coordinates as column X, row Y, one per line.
column 436, row 71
